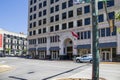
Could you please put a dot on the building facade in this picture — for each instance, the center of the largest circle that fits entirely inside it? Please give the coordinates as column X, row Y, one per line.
column 50, row 23
column 12, row 43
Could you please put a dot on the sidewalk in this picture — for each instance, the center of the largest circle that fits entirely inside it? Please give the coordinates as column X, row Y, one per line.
column 108, row 71
column 4, row 68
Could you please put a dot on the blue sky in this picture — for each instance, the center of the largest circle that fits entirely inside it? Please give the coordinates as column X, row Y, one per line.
column 14, row 15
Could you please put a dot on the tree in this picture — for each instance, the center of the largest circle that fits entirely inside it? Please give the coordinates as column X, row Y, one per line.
column 117, row 16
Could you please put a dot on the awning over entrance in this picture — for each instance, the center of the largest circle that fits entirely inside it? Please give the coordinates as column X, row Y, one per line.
column 42, row 49
column 85, row 46
column 32, row 49
column 54, row 48
column 110, row 44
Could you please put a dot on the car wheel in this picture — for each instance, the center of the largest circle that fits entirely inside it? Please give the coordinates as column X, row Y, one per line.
column 91, row 61
column 77, row 60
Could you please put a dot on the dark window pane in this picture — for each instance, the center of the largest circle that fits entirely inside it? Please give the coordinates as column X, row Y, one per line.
column 111, row 15
column 51, row 1
column 40, row 5
column 87, row 21
column 107, row 31
column 52, row 19
column 39, row 31
column 87, row 9
column 57, row 8
column 44, row 3
column 70, row 3
column 70, row 24
column 44, row 21
column 100, row 5
column 64, row 26
column 40, row 22
column 40, row 14
column 56, row 17
column 56, row 27
column 101, row 18
column 51, row 29
column 51, row 9
column 110, row 3
column 34, row 24
column 70, row 14
column 89, row 34
column 102, row 32
column 79, row 11
column 44, row 12
column 64, row 5
column 44, row 30
column 79, row 23
column 64, row 15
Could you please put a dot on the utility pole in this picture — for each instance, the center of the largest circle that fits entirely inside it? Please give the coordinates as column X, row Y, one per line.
column 95, row 40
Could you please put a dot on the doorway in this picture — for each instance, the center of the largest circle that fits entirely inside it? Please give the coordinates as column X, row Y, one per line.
column 105, row 56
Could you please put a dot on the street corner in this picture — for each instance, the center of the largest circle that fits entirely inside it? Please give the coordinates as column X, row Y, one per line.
column 4, row 68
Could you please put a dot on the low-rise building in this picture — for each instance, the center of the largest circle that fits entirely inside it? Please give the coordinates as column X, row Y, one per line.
column 12, row 43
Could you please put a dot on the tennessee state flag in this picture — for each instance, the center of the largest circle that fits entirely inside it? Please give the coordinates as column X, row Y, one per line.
column 74, row 34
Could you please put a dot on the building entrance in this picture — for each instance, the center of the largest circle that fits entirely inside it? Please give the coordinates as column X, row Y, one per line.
column 68, row 49
column 105, row 56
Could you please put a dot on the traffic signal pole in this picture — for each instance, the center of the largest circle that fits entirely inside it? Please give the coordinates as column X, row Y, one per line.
column 95, row 40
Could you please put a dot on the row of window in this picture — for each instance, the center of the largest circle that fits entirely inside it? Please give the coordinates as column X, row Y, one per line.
column 42, row 40
column 87, row 21
column 54, row 39
column 104, row 32
column 70, row 3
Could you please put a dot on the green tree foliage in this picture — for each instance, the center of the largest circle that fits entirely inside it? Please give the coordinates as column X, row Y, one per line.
column 117, row 16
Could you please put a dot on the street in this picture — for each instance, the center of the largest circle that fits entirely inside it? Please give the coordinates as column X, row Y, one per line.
column 31, row 69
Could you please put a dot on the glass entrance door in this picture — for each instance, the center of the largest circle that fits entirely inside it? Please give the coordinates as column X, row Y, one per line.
column 105, row 56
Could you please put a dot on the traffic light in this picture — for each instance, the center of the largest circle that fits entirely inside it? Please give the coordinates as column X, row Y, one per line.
column 111, row 24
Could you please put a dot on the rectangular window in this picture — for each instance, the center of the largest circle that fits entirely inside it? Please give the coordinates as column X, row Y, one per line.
column 51, row 1
column 44, row 12
column 70, row 3
column 30, row 25
column 87, row 9
column 114, row 31
column 64, row 15
column 40, row 5
column 30, row 17
column 30, row 33
column 70, row 24
column 34, row 16
column 89, row 34
column 52, row 19
column 107, row 31
column 44, row 30
column 81, row 35
column 85, row 35
column 79, row 11
column 70, row 14
column 44, row 21
column 56, row 17
column 31, row 2
column 111, row 15
column 56, row 27
column 100, row 5
column 64, row 5
column 44, row 3
column 64, row 26
column 56, row 0
column 40, row 22
column 87, row 21
column 101, row 18
column 52, row 10
column 110, row 3
column 35, row 8
column 57, row 8
column 79, row 23
column 39, row 31
column 51, row 29
column 40, row 14
column 34, row 24
column 30, row 9
column 102, row 32
column 34, row 32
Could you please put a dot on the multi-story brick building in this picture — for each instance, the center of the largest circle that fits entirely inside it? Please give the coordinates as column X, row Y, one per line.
column 12, row 43
column 50, row 23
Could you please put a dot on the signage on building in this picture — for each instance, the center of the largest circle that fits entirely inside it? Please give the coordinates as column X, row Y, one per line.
column 1, row 42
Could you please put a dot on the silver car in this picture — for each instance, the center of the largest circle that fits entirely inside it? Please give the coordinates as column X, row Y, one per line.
column 85, row 58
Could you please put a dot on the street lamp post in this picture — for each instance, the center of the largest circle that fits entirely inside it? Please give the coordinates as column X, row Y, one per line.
column 95, row 40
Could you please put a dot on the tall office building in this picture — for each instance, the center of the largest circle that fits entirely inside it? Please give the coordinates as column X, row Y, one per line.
column 12, row 43
column 53, row 24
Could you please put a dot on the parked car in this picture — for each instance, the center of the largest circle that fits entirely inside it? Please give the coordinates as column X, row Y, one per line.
column 85, row 58
column 2, row 55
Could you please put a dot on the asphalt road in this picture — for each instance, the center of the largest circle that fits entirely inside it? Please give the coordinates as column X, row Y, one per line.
column 31, row 69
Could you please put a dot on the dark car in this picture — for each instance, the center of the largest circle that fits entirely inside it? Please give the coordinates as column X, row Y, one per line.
column 2, row 55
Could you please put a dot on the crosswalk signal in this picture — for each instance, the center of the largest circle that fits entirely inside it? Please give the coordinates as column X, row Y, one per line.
column 111, row 24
